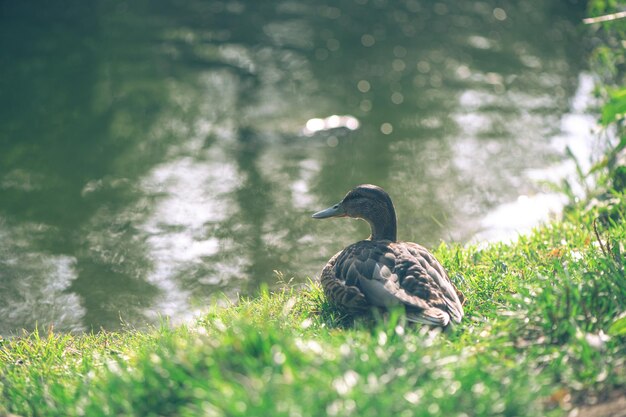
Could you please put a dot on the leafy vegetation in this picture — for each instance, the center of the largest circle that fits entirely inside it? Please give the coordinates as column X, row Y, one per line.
column 608, row 63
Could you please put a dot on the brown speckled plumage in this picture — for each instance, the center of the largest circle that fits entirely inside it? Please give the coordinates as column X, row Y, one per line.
column 381, row 272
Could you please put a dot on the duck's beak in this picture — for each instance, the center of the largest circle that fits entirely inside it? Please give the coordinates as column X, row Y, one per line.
column 335, row 211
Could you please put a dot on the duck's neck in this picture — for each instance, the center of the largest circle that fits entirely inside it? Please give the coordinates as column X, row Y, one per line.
column 384, row 225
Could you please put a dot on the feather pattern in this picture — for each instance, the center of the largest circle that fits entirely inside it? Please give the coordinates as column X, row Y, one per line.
column 383, row 273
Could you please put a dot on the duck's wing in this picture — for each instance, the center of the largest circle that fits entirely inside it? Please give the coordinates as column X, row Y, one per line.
column 360, row 277
column 422, row 276
column 338, row 291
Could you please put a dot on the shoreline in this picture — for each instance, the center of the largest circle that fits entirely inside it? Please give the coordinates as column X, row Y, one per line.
column 544, row 334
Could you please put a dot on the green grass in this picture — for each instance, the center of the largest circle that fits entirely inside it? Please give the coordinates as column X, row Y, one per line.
column 541, row 335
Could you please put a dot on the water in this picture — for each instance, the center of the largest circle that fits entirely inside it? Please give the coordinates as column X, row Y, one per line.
column 157, row 155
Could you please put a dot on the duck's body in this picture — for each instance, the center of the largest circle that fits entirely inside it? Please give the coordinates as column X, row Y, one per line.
column 381, row 272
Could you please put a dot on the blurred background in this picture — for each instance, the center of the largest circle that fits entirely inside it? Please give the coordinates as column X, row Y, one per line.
column 158, row 155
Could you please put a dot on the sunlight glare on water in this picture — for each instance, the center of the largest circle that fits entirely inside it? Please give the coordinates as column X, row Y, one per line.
column 316, row 124
column 509, row 220
column 195, row 193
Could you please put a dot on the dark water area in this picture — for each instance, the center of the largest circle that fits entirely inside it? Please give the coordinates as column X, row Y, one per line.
column 155, row 155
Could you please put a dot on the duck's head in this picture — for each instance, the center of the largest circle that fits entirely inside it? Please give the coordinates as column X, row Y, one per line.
column 370, row 203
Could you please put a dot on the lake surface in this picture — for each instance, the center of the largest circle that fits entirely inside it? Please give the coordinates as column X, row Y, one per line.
column 157, row 155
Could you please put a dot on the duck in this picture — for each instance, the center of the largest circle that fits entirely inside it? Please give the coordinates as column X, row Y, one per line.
column 383, row 273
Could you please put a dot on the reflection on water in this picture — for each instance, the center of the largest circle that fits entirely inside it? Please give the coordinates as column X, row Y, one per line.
column 154, row 155
column 508, row 220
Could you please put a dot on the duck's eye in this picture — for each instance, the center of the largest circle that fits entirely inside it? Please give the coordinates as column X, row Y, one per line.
column 336, row 206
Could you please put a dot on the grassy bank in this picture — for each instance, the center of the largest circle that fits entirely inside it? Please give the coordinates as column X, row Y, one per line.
column 545, row 334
